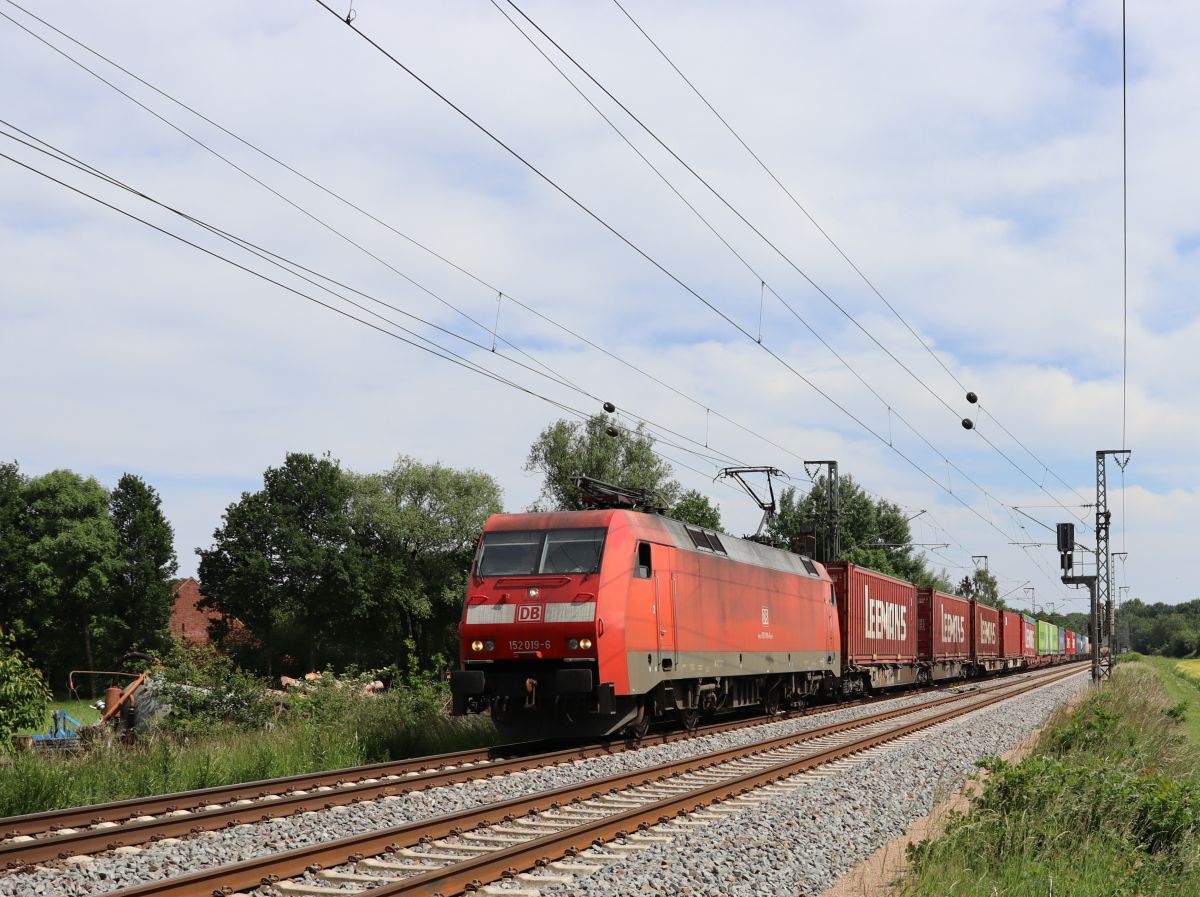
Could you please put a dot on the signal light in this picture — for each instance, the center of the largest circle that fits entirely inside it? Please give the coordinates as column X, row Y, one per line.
column 477, row 645
column 573, row 644
column 489, row 645
column 585, row 643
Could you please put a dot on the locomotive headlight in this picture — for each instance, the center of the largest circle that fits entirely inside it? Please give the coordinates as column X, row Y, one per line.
column 573, row 644
column 585, row 643
column 490, row 645
column 477, row 645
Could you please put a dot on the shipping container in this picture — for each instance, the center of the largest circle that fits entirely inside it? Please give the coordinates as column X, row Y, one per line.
column 985, row 633
column 1062, row 640
column 1070, row 652
column 1047, row 638
column 878, row 616
column 1029, row 645
column 944, row 627
column 1012, row 630
column 944, row 634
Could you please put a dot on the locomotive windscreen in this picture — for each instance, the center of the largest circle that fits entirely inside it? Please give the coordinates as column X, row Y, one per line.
column 527, row 553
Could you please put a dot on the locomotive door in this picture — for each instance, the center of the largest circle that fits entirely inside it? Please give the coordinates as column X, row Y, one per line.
column 832, row 626
column 664, row 608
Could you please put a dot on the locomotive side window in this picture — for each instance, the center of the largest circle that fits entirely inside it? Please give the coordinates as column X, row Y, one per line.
column 644, row 570
column 528, row 553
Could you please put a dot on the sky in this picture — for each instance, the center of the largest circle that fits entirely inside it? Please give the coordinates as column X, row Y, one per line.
column 942, row 214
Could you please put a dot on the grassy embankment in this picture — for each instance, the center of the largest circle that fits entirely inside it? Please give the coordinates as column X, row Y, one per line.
column 344, row 732
column 1107, row 804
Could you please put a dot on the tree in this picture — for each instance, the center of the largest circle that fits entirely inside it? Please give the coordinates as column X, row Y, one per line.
column 694, row 507
column 286, row 564
column 72, row 558
column 873, row 532
column 23, row 694
column 568, row 449
column 982, row 586
column 418, row 524
column 142, row 585
column 14, row 596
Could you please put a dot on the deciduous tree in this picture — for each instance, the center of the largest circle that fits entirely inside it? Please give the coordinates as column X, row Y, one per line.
column 285, row 562
column 73, row 557
column 694, row 507
column 568, row 449
column 419, row 524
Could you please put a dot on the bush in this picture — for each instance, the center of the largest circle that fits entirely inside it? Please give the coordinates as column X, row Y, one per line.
column 205, row 690
column 23, row 693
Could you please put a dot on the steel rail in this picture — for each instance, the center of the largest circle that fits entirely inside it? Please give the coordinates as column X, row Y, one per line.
column 418, row 772
column 471, row 873
column 349, row 782
column 273, row 867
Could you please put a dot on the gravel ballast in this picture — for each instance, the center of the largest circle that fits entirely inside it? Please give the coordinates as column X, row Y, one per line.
column 107, row 872
column 802, row 842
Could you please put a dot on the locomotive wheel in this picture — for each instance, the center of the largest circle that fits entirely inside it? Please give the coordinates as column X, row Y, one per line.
column 689, row 717
column 771, row 702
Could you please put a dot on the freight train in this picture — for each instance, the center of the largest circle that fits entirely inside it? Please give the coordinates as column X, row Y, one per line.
column 598, row 622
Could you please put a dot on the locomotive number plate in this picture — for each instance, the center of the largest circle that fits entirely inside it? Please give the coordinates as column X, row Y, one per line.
column 529, row 645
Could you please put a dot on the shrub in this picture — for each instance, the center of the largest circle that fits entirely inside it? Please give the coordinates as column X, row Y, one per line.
column 204, row 690
column 23, row 693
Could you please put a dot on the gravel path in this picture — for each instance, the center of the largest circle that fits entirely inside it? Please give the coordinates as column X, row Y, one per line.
column 802, row 842
column 129, row 866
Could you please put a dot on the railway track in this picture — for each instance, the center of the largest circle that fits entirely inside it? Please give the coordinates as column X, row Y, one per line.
column 555, row 831
column 58, row 834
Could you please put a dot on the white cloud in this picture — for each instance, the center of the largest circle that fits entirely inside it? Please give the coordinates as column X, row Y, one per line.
column 966, row 155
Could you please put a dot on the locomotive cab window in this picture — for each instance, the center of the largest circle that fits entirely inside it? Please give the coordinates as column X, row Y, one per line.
column 644, row 569
column 529, row 553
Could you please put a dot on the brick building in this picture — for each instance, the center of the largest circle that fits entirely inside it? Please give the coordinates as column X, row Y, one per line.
column 189, row 623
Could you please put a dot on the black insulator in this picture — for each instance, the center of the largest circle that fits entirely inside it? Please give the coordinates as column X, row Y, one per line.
column 610, row 407
column 968, row 424
column 972, row 398
column 611, row 430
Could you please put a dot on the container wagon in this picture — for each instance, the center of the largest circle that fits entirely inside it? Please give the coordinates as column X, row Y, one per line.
column 878, row 617
column 985, row 639
column 944, row 634
column 1012, row 639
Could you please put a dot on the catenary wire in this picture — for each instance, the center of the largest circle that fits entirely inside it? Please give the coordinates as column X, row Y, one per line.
column 423, row 247
column 891, row 408
column 288, row 265
column 444, row 354
column 316, row 219
column 857, row 270
column 650, row 259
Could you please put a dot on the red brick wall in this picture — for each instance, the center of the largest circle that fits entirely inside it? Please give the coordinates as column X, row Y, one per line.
column 188, row 622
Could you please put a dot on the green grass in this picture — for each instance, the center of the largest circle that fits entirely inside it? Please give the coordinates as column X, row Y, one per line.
column 347, row 733
column 1108, row 804
column 1181, row 680
column 80, row 709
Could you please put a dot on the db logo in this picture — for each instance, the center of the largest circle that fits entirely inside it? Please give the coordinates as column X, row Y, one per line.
column 529, row 613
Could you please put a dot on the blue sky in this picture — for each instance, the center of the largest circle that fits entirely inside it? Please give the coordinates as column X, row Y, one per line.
column 965, row 156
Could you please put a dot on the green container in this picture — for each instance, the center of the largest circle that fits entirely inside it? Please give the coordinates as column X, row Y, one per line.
column 1047, row 638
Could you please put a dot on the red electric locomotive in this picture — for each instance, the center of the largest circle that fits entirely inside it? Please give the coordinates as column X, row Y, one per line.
column 593, row 622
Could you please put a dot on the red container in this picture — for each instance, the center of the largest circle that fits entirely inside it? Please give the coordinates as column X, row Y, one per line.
column 1070, row 642
column 878, row 614
column 985, row 633
column 944, row 630
column 1029, row 640
column 1012, row 628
